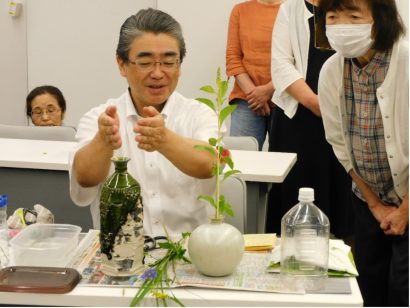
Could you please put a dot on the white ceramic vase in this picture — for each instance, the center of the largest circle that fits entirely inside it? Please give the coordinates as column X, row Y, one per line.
column 216, row 248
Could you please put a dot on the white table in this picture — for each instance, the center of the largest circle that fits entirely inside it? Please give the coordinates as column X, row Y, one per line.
column 113, row 296
column 34, row 154
column 34, row 171
column 257, row 169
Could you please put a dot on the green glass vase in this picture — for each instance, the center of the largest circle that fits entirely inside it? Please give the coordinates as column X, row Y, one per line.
column 122, row 233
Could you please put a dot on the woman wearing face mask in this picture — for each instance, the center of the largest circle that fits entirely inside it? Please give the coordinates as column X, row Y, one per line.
column 297, row 126
column 363, row 95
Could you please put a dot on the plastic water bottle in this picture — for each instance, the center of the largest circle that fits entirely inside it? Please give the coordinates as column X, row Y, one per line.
column 305, row 243
column 4, row 238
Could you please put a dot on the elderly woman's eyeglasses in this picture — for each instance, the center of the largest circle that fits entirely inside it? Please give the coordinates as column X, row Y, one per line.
column 148, row 66
column 38, row 112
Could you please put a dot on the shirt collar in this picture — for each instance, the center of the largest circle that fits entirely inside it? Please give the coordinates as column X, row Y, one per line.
column 131, row 111
column 168, row 106
column 372, row 66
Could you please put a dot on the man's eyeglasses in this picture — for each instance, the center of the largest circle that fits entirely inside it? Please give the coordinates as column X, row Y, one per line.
column 148, row 66
column 38, row 112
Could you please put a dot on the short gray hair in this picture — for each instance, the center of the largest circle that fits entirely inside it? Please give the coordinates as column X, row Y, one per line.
column 148, row 20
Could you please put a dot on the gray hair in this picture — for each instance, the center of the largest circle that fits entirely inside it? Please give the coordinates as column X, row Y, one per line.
column 148, row 20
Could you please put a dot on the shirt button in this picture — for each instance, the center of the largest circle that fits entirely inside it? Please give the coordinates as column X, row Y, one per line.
column 151, row 165
column 387, row 117
column 391, row 156
column 388, row 136
column 395, row 174
column 381, row 96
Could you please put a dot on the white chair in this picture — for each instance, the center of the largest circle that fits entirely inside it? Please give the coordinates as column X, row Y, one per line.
column 56, row 133
column 246, row 143
column 234, row 190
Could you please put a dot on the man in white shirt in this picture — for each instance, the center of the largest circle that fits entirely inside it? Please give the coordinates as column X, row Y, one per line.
column 153, row 125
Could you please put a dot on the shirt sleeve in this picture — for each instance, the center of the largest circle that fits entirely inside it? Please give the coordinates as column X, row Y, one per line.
column 87, row 128
column 234, row 52
column 283, row 69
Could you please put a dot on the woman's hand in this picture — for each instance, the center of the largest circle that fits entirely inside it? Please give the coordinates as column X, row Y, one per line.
column 259, row 96
column 396, row 222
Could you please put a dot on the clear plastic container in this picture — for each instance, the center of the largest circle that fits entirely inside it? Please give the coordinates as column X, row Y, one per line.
column 45, row 245
column 305, row 243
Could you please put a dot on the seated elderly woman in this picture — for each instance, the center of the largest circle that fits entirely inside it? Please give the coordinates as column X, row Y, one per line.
column 46, row 106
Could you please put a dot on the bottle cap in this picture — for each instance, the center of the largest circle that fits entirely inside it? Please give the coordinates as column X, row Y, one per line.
column 306, row 194
column 3, row 200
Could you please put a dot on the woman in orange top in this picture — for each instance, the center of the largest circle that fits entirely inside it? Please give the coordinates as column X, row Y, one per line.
column 248, row 59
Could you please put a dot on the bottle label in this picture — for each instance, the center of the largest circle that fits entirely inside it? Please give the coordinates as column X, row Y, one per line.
column 307, row 249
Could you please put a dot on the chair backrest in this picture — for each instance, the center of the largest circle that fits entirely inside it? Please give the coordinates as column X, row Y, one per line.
column 234, row 190
column 246, row 143
column 57, row 133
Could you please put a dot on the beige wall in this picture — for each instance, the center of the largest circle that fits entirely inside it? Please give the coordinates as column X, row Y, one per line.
column 403, row 7
column 13, row 66
column 71, row 44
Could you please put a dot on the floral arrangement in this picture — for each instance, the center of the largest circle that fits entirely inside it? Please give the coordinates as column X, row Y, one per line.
column 223, row 156
column 156, row 277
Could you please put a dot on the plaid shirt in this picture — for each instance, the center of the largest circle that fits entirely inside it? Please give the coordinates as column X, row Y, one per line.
column 365, row 126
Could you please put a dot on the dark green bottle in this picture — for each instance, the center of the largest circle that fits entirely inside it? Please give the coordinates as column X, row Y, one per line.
column 122, row 231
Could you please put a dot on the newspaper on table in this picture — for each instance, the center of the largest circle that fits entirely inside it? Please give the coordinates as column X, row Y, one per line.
column 250, row 275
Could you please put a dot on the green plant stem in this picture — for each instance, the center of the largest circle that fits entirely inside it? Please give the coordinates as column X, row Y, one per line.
column 218, row 162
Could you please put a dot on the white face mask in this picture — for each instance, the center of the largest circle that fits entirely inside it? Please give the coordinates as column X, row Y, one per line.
column 350, row 40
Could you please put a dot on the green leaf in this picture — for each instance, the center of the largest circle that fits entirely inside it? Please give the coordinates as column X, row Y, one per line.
column 207, row 199
column 143, row 290
column 221, row 200
column 206, row 148
column 222, row 90
column 165, row 245
column 212, row 141
column 224, row 206
column 177, row 301
column 226, row 111
column 227, row 208
column 186, row 260
column 218, row 76
column 229, row 161
column 229, row 173
column 185, row 234
column 207, row 102
column 208, row 89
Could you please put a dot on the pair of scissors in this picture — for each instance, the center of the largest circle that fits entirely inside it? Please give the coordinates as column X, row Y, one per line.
column 150, row 242
column 25, row 218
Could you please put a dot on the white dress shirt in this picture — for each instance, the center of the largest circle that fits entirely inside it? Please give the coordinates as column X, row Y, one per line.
column 393, row 99
column 169, row 196
column 290, row 51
